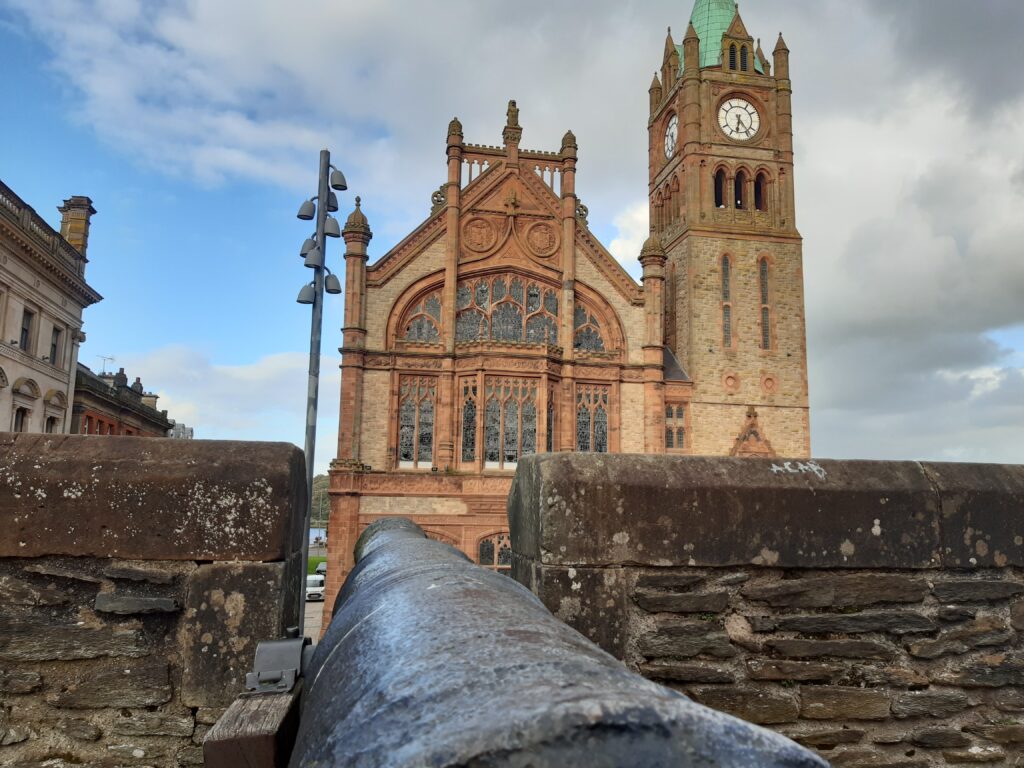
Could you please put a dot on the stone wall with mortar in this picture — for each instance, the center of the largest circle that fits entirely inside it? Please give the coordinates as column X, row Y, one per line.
column 871, row 610
column 136, row 578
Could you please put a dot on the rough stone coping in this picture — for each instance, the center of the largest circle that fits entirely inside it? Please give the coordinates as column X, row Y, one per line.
column 150, row 498
column 433, row 660
column 618, row 509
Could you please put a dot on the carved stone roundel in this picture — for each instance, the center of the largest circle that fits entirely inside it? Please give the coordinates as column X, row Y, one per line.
column 478, row 234
column 542, row 239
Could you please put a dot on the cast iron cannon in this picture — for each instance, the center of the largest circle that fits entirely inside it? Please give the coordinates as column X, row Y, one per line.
column 431, row 660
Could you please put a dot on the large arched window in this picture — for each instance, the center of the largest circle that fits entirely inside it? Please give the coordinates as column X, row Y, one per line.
column 766, row 312
column 720, row 188
column 506, row 308
column 726, row 302
column 416, row 404
column 510, row 421
column 423, row 320
column 740, row 190
column 592, row 417
column 761, row 192
column 587, row 335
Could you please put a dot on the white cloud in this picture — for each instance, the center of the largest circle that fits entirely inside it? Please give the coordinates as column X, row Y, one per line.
column 633, row 226
column 264, row 400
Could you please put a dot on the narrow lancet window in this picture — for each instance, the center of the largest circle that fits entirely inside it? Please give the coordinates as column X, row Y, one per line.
column 726, row 303
column 720, row 188
column 761, row 192
column 766, row 313
column 741, row 190
column 732, row 56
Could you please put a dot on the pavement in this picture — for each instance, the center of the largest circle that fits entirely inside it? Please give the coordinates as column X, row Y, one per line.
column 314, row 617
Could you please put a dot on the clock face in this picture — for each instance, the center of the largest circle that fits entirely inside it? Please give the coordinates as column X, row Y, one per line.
column 738, row 119
column 671, row 134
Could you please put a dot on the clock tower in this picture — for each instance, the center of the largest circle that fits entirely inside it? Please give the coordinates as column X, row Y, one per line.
column 722, row 208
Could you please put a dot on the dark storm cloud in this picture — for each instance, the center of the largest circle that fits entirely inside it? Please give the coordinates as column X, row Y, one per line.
column 974, row 43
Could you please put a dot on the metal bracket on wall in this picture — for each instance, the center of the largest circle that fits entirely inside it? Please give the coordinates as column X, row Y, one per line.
column 278, row 665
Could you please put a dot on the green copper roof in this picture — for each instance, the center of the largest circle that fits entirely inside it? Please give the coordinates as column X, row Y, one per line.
column 711, row 20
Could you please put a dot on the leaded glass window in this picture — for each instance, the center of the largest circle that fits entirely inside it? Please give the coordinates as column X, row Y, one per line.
column 506, row 308
column 766, row 315
column 592, row 417
column 675, row 427
column 726, row 305
column 510, row 421
column 495, row 552
column 417, row 398
column 468, row 421
column 423, row 321
column 586, row 331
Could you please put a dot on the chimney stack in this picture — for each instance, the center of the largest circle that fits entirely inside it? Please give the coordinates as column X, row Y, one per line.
column 74, row 222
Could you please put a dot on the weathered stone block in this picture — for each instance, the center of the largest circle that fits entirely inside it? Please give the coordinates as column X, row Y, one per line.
column 828, row 703
column 839, row 591
column 676, row 638
column 113, row 602
column 19, row 681
column 955, row 613
column 929, row 703
column 755, row 705
column 661, row 510
column 17, row 592
column 894, row 622
column 39, row 638
column 79, row 729
column 1017, row 615
column 130, row 723
column 862, row 675
column 975, row 754
column 669, row 581
column 872, row 758
column 938, row 738
column 229, row 608
column 154, row 499
column 680, row 672
column 828, row 739
column 1004, row 733
column 1009, row 699
column 142, row 683
column 659, row 600
column 987, row 672
column 148, row 571
column 976, row 590
column 983, row 631
column 981, row 513
column 590, row 600
column 850, row 649
column 777, row 669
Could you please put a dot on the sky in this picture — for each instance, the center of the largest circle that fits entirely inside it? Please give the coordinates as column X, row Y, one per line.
column 195, row 127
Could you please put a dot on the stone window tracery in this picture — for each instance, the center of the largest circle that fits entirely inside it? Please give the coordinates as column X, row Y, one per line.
column 592, row 417
column 510, row 421
column 675, row 427
column 469, row 421
column 586, row 331
column 423, row 320
column 416, row 404
column 495, row 552
column 506, row 308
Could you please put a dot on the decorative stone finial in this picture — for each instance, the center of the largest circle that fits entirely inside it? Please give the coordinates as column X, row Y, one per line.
column 513, row 131
column 356, row 222
column 652, row 247
column 569, row 141
column 455, row 127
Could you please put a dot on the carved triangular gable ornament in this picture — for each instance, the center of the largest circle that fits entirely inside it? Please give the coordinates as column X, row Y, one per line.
column 737, row 29
column 751, row 440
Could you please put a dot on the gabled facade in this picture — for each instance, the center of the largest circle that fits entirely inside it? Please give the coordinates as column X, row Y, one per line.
column 501, row 327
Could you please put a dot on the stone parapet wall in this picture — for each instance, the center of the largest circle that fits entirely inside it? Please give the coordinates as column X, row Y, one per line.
column 870, row 610
column 136, row 578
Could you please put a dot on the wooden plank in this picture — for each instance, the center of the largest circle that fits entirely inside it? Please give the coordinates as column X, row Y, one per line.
column 255, row 731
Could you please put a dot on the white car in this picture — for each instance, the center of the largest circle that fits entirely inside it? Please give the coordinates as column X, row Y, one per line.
column 314, row 588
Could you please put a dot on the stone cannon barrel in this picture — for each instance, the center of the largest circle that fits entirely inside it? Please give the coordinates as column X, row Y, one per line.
column 431, row 660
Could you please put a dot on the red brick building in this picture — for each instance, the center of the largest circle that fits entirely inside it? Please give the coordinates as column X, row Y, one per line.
column 106, row 404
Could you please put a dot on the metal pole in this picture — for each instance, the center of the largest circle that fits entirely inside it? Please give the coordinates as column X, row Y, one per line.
column 314, row 376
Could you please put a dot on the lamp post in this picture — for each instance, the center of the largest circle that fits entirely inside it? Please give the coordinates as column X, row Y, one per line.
column 313, row 293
